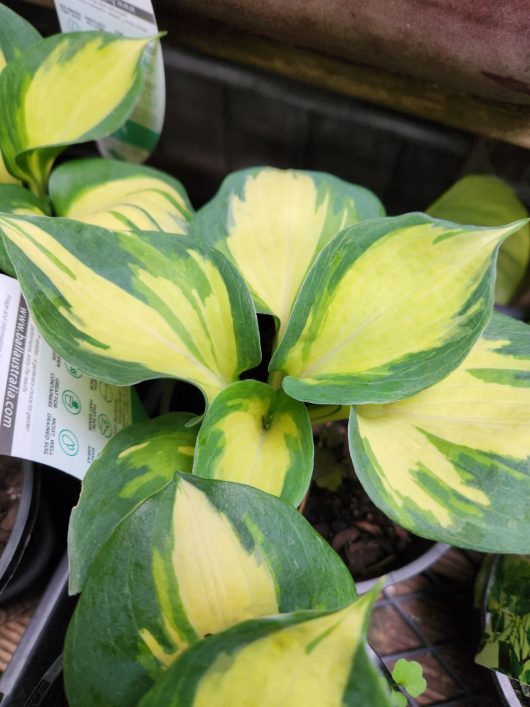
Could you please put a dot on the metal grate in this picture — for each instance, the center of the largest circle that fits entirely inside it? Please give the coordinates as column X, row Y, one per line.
column 431, row 618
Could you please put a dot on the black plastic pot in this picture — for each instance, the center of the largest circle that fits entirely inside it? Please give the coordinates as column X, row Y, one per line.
column 14, row 575
column 28, row 677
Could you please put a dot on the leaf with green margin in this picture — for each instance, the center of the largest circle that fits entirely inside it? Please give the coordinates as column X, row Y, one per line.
column 272, row 224
column 15, row 199
column 505, row 645
column 487, row 201
column 120, row 196
column 135, row 464
column 16, row 34
column 125, row 307
column 193, row 559
column 390, row 307
column 452, row 463
column 63, row 90
column 255, row 435
column 316, row 659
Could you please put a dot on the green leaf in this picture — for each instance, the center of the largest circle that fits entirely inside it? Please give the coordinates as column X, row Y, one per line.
column 15, row 35
column 15, row 199
column 390, row 307
column 452, row 463
column 272, row 224
column 506, row 640
column 258, row 436
column 193, row 559
column 126, row 307
column 62, row 90
column 136, row 463
column 409, row 675
column 120, row 196
column 317, row 659
column 487, row 201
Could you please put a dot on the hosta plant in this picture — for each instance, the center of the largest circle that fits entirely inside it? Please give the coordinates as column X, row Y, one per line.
column 200, row 581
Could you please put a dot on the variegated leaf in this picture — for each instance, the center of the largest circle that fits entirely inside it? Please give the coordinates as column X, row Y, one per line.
column 15, row 199
column 255, row 435
column 506, row 639
column 65, row 89
column 315, row 659
column 486, row 201
column 193, row 559
column 390, row 307
column 120, row 196
column 15, row 35
column 272, row 223
column 126, row 307
column 453, row 462
column 135, row 464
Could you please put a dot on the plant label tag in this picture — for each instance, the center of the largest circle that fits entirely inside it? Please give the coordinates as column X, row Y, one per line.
column 138, row 136
column 50, row 412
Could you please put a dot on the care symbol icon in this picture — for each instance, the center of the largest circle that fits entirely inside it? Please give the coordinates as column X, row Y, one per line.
column 68, row 442
column 71, row 402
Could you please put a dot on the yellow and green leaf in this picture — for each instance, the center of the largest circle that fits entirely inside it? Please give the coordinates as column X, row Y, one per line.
column 310, row 658
column 62, row 90
column 120, row 196
column 487, row 201
column 255, row 435
column 390, row 307
column 16, row 34
column 452, row 463
column 125, row 306
column 195, row 558
column 505, row 643
column 14, row 199
column 272, row 224
column 135, row 464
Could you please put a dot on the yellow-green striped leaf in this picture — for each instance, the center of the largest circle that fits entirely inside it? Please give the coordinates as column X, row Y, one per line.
column 15, row 35
column 135, row 464
column 65, row 89
column 255, row 435
column 125, row 307
column 314, row 659
column 453, row 462
column 487, row 201
column 390, row 307
column 193, row 559
column 14, row 199
column 506, row 639
column 272, row 223
column 120, row 196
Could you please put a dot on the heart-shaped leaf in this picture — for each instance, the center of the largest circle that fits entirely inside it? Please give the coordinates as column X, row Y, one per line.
column 308, row 658
column 390, row 307
column 452, row 463
column 126, row 306
column 193, row 559
column 63, row 90
column 258, row 436
column 272, row 224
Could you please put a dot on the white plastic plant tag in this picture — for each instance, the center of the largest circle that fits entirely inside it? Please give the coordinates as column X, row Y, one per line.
column 137, row 138
column 50, row 412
